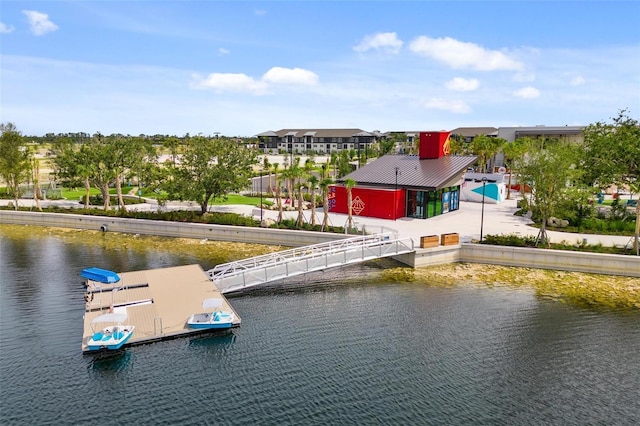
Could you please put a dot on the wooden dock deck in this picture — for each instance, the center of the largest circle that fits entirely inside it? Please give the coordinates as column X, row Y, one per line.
column 158, row 302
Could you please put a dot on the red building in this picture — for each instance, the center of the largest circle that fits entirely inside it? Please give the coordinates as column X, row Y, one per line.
column 395, row 186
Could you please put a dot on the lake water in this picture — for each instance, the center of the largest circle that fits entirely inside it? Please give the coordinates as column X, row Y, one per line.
column 342, row 349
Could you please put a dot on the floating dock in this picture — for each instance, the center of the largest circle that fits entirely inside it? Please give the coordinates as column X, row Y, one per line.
column 158, row 302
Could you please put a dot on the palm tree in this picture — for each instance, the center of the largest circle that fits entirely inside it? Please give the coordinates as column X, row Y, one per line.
column 324, row 186
column 299, row 187
column 349, row 183
column 292, row 174
column 312, row 182
column 278, row 183
column 266, row 167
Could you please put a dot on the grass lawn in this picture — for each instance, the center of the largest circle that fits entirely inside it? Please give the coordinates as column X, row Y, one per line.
column 231, row 198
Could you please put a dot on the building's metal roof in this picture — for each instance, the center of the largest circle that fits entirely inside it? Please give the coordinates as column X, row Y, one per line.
column 470, row 132
column 544, row 130
column 413, row 172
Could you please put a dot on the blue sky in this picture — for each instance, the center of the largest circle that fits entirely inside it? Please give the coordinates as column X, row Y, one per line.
column 241, row 68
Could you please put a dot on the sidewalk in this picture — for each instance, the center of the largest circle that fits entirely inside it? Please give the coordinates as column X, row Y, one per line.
column 499, row 219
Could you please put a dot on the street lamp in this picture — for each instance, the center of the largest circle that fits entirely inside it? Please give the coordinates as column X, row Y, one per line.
column 484, row 183
column 260, row 197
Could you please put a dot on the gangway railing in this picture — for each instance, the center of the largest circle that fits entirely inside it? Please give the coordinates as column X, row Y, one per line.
column 239, row 275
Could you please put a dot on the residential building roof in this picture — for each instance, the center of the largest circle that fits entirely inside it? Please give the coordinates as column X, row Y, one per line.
column 317, row 133
column 412, row 172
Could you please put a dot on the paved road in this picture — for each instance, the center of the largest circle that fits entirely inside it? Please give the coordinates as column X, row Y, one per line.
column 467, row 222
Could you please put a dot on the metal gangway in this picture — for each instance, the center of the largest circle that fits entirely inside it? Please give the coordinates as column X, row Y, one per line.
column 235, row 276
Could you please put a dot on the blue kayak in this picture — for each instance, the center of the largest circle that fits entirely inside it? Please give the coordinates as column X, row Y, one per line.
column 100, row 275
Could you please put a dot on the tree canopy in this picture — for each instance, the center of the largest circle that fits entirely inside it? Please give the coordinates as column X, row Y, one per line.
column 15, row 160
column 210, row 168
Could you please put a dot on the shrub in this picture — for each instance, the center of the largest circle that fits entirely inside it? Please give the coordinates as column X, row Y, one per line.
column 512, row 240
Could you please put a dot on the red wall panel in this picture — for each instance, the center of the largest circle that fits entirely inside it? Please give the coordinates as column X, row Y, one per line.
column 368, row 202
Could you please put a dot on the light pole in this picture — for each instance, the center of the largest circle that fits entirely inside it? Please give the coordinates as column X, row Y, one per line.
column 484, row 183
column 260, row 197
column 395, row 196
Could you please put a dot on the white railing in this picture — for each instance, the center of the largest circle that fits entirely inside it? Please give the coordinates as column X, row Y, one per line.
column 235, row 276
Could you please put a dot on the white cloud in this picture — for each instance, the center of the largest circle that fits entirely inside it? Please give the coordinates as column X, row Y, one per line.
column 527, row 93
column 447, row 105
column 458, row 54
column 259, row 12
column 223, row 51
column 460, row 84
column 240, row 82
column 5, row 28
column 578, row 81
column 39, row 22
column 296, row 76
column 232, row 82
column 382, row 41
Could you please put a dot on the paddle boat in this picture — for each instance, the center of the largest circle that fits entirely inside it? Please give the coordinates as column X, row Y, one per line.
column 100, row 275
column 111, row 337
column 217, row 318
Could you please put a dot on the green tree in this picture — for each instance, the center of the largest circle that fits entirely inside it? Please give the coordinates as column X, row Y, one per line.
column 15, row 160
column 266, row 166
column 485, row 147
column 548, row 170
column 74, row 165
column 514, row 153
column 344, row 164
column 172, row 144
column 388, row 144
column 457, row 145
column 211, row 168
column 612, row 157
column 126, row 155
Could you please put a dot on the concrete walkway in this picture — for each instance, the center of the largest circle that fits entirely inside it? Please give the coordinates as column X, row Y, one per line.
column 499, row 219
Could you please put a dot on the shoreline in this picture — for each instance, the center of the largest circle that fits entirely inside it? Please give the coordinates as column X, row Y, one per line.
column 580, row 289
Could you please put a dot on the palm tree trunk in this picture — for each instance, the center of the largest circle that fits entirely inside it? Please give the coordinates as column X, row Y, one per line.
column 279, row 201
column 349, row 209
column 313, row 207
column 300, row 220
column 325, row 210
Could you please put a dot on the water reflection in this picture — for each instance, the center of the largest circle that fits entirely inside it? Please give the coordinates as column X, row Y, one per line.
column 217, row 341
column 109, row 361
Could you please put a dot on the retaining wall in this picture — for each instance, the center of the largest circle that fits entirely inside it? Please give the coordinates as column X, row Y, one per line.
column 240, row 234
column 607, row 264
column 596, row 263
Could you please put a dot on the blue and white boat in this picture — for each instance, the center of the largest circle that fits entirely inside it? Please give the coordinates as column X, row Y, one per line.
column 111, row 337
column 214, row 319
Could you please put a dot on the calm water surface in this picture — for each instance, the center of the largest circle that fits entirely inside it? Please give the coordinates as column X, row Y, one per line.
column 321, row 353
